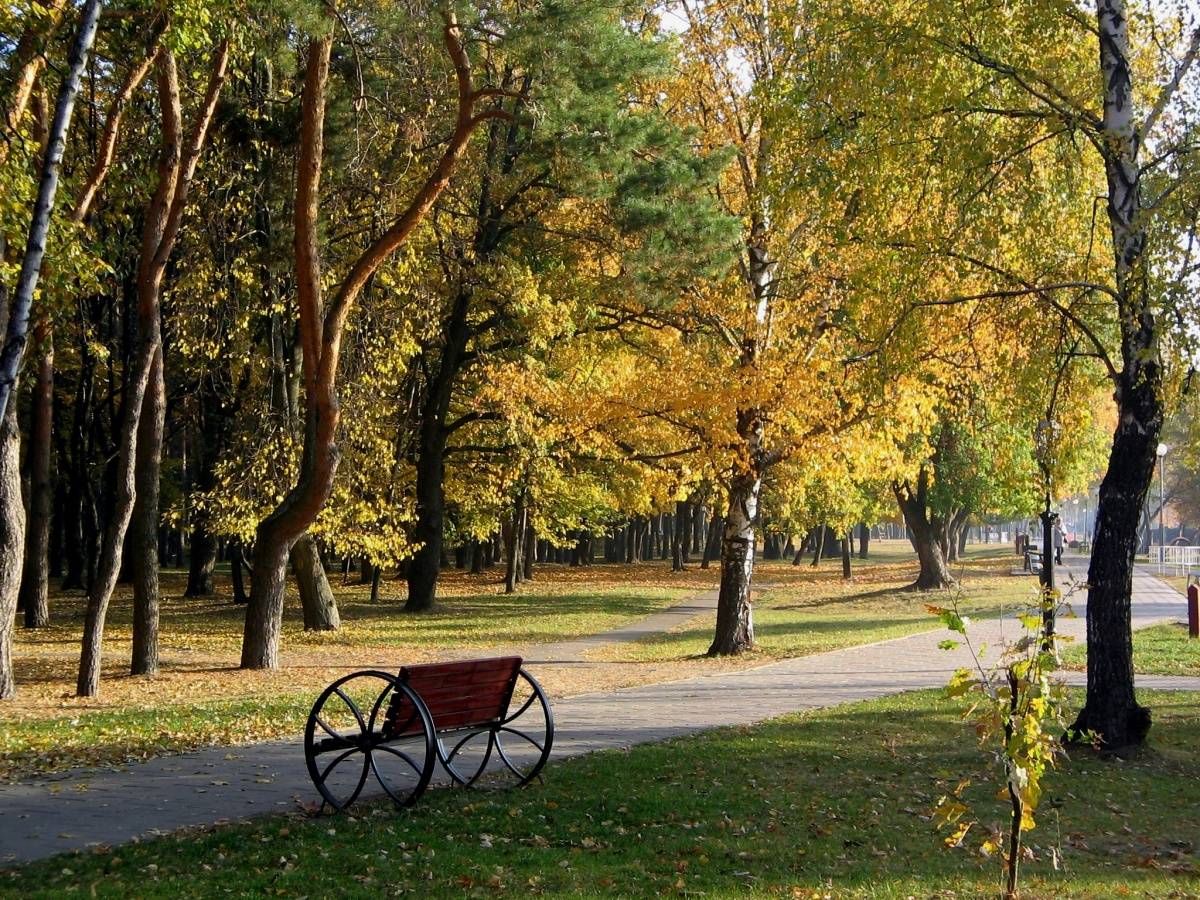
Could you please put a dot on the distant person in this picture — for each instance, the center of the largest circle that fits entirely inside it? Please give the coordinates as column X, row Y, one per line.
column 1060, row 539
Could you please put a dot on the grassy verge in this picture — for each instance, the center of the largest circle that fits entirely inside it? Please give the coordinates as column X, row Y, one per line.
column 832, row 803
column 1158, row 650
column 799, row 614
column 107, row 738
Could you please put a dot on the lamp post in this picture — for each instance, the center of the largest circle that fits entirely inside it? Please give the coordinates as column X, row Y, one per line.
column 1045, row 440
column 1162, row 494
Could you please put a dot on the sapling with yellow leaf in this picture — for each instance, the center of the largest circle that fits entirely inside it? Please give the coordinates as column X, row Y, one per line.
column 1017, row 707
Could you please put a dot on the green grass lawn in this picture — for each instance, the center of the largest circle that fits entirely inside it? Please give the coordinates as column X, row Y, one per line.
column 799, row 618
column 831, row 803
column 1158, row 650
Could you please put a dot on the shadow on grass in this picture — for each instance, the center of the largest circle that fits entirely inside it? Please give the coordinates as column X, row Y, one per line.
column 833, row 801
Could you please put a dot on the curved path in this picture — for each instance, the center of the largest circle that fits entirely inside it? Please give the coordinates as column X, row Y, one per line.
column 81, row 809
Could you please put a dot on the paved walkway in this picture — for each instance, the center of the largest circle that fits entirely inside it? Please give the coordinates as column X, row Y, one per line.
column 78, row 810
column 575, row 652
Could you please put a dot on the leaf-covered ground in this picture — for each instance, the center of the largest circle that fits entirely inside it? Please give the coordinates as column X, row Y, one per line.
column 200, row 698
column 832, row 803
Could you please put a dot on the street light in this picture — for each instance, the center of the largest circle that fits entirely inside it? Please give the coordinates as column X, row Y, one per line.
column 1162, row 529
column 1045, row 443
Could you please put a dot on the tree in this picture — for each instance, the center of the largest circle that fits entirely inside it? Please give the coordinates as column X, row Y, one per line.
column 12, row 512
column 634, row 185
column 776, row 341
column 321, row 330
column 35, row 575
column 1141, row 138
column 139, row 443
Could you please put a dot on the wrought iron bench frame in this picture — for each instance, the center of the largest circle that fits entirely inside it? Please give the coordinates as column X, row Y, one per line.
column 400, row 712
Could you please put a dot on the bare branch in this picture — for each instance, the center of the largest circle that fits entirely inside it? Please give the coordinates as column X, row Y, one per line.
column 1171, row 87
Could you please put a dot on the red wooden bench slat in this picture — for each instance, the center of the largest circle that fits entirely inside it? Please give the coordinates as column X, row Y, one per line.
column 461, row 694
column 441, row 700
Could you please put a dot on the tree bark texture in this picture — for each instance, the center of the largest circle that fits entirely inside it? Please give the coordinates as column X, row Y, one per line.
column 927, row 532
column 316, row 596
column 735, row 615
column 177, row 166
column 1111, row 709
column 144, row 523
column 35, row 580
column 12, row 543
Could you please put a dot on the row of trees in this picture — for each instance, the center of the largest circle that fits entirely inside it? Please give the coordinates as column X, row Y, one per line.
column 391, row 280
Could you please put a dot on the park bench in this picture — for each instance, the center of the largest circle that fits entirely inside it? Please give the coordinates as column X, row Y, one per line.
column 461, row 715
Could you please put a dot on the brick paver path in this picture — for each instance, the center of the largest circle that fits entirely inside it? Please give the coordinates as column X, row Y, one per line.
column 80, row 809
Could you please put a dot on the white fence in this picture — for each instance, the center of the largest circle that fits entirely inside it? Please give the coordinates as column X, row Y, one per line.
column 1180, row 559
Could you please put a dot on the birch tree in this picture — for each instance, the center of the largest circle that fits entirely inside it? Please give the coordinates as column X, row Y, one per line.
column 1113, row 86
column 12, row 512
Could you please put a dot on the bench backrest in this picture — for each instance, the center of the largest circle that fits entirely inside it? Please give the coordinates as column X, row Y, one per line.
column 464, row 694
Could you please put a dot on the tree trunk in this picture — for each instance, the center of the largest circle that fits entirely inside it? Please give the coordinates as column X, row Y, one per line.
column 17, row 326
column 428, row 531
column 36, row 576
column 864, row 540
column 144, row 536
column 202, row 559
column 236, row 564
column 530, row 549
column 264, row 609
column 1111, row 709
column 735, row 617
column 818, row 546
column 515, row 549
column 846, row 554
column 926, row 531
column 12, row 509
column 771, row 548
column 954, row 530
column 716, row 528
column 321, row 329
column 177, row 166
column 316, row 596
column 12, row 542
column 680, row 535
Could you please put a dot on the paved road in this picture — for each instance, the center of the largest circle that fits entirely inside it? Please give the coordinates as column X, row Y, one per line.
column 81, row 809
column 575, row 652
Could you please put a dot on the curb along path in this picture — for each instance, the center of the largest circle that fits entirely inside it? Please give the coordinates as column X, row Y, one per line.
column 52, row 815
